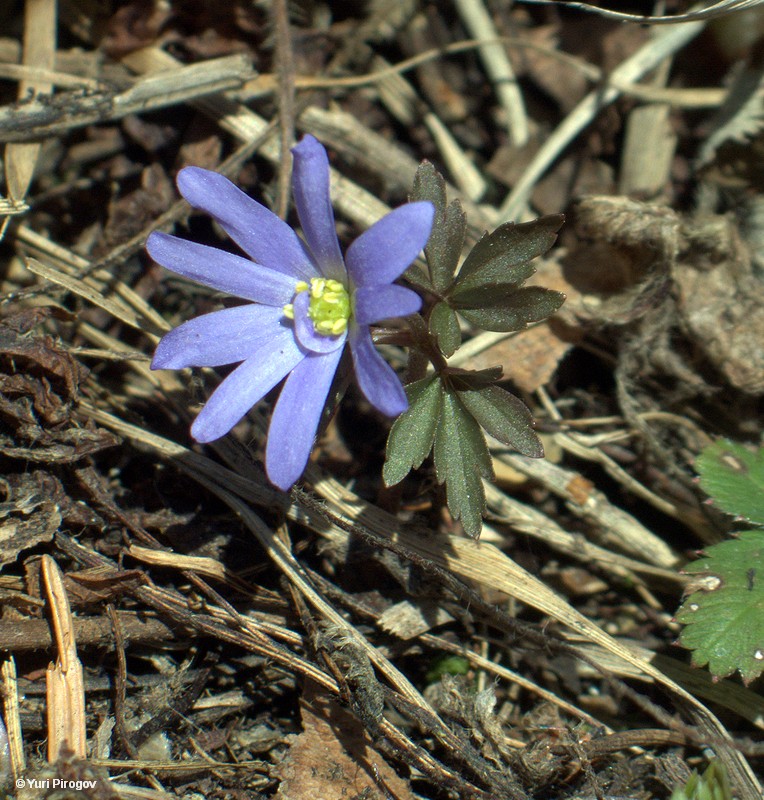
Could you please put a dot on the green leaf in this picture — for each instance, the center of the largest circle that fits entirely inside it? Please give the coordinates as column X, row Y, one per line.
column 416, row 275
column 495, row 296
column 430, row 185
column 447, row 665
column 733, row 476
column 444, row 247
column 712, row 785
column 724, row 614
column 505, row 417
column 412, row 434
column 463, row 380
column 525, row 305
column 444, row 326
column 503, row 256
column 461, row 459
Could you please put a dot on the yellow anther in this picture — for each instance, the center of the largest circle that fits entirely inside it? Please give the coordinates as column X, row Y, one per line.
column 329, row 308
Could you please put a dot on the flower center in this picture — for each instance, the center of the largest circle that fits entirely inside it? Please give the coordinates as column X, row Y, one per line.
column 329, row 308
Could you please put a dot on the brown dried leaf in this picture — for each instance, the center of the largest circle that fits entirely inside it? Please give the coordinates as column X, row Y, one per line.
column 28, row 516
column 631, row 255
column 101, row 584
column 623, row 260
column 43, row 354
column 529, row 359
column 203, row 146
column 136, row 24
column 61, row 446
column 334, row 757
column 722, row 305
column 131, row 214
column 566, row 86
column 39, row 387
column 26, row 319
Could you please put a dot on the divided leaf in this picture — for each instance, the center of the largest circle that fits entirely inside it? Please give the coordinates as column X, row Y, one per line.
column 734, row 477
column 465, row 379
column 513, row 313
column 724, row 616
column 449, row 411
column 413, row 433
column 444, row 326
column 461, row 460
column 444, row 247
column 503, row 256
column 430, row 185
column 505, row 417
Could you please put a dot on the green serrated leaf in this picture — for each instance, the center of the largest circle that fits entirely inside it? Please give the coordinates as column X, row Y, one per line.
column 523, row 306
column 461, row 459
column 444, row 326
column 733, row 476
column 724, row 617
column 505, row 417
column 503, row 256
column 462, row 380
column 430, row 185
column 416, row 275
column 413, row 433
column 495, row 296
column 444, row 247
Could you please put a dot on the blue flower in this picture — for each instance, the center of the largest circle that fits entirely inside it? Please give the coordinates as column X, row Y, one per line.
column 307, row 302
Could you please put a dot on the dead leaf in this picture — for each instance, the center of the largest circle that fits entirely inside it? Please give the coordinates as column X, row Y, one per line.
column 39, row 388
column 130, row 214
column 622, row 262
column 28, row 515
column 334, row 757
column 566, row 86
column 722, row 304
column 135, row 25
column 43, row 353
column 101, row 584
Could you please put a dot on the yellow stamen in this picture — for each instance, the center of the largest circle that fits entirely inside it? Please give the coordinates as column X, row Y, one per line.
column 329, row 308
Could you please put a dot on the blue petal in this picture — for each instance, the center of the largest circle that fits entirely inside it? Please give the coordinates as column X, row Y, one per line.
column 296, row 417
column 381, row 254
column 258, row 231
column 375, row 377
column 222, row 337
column 310, row 187
column 220, row 270
column 373, row 303
column 306, row 333
column 245, row 386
